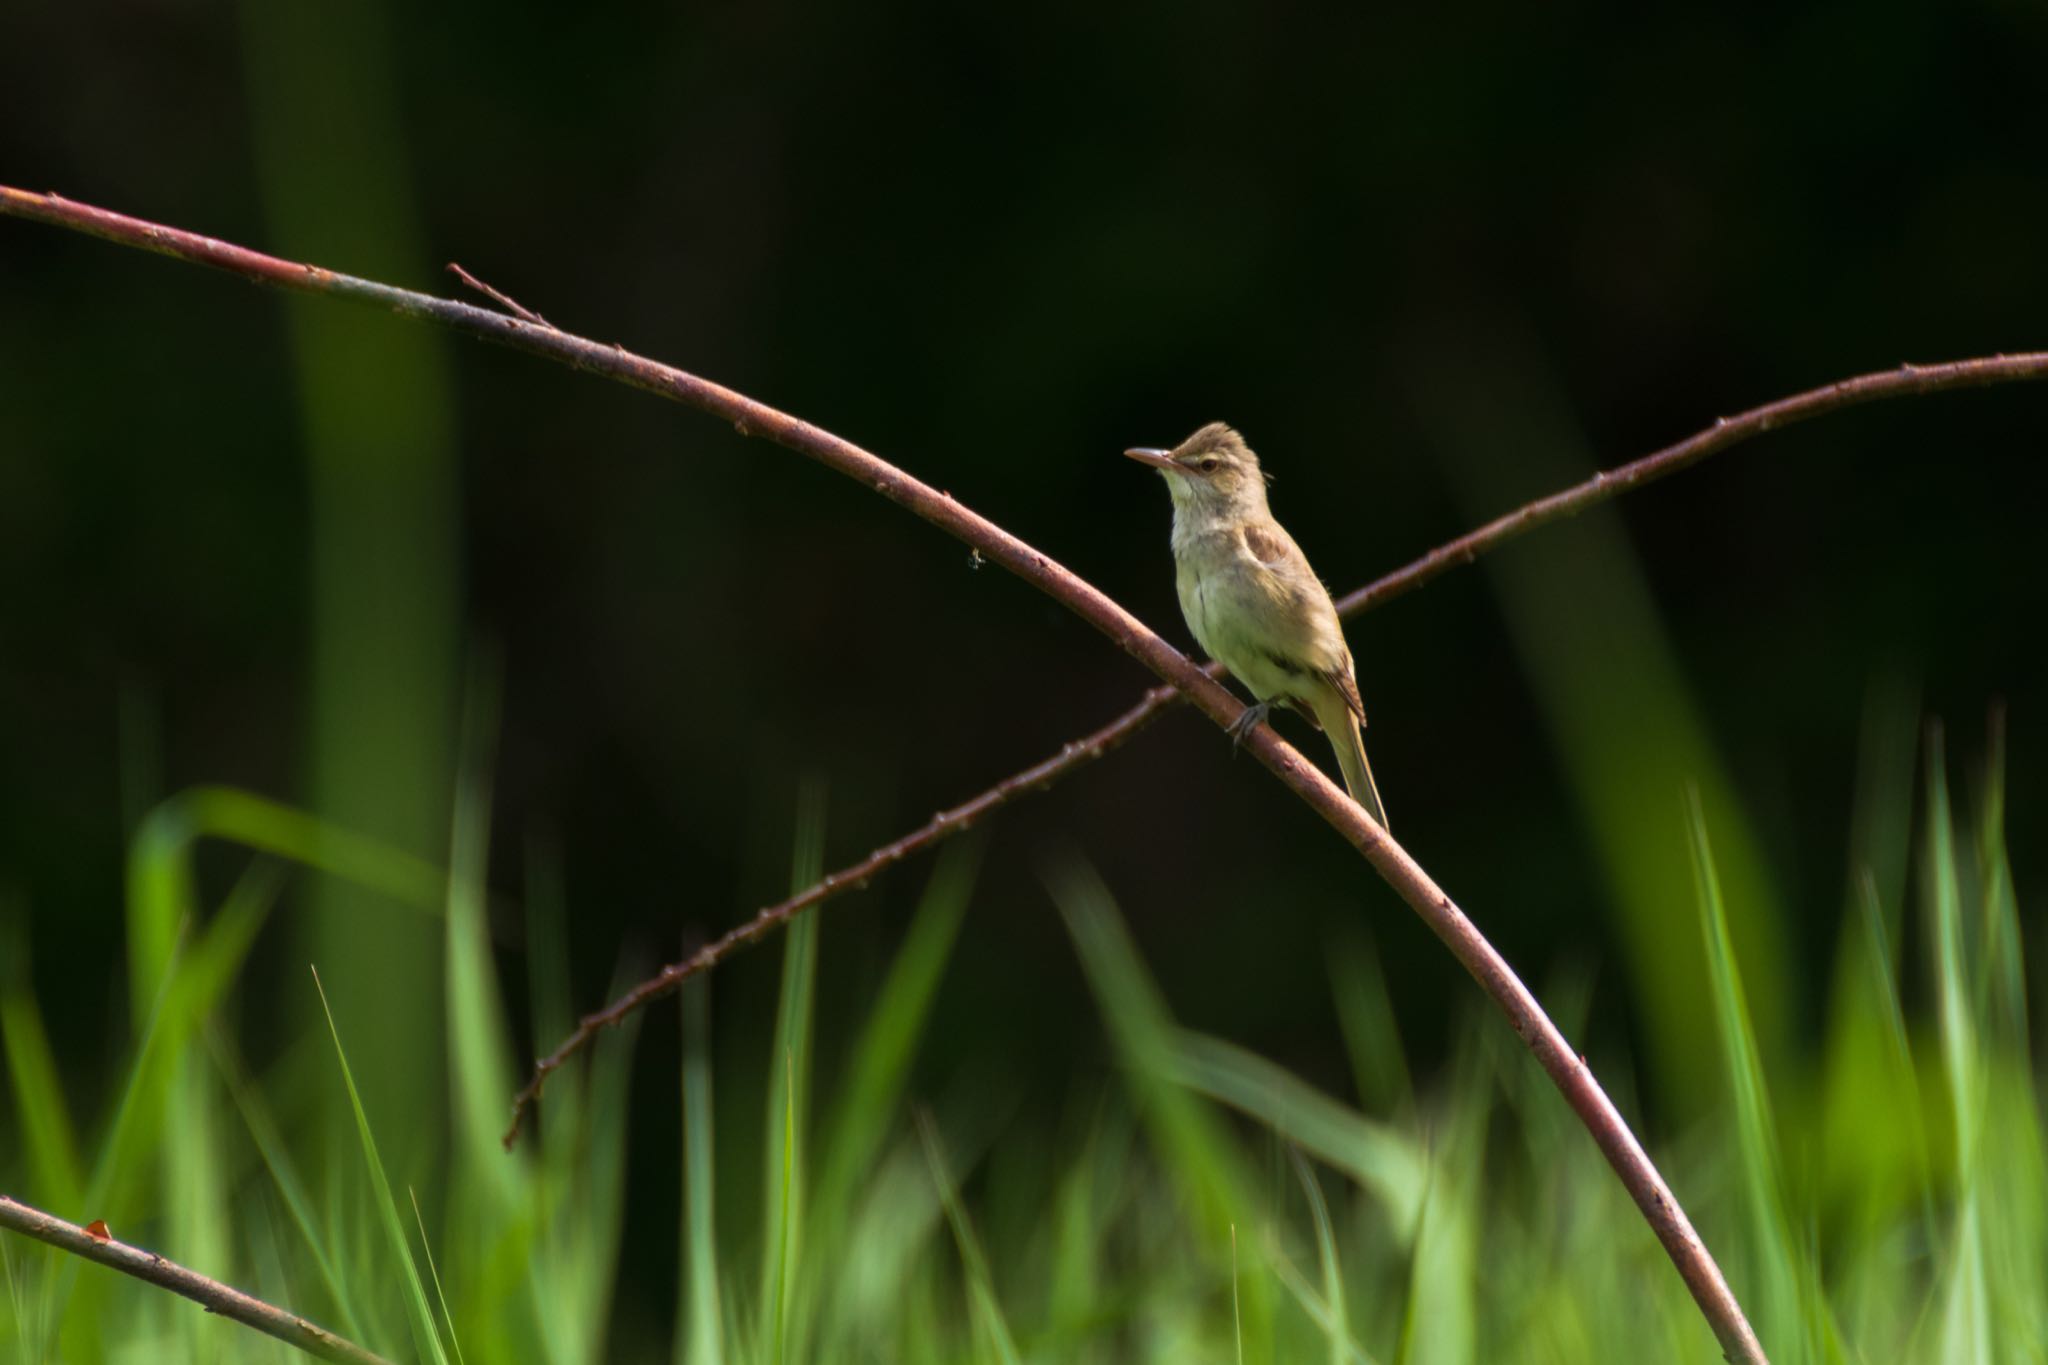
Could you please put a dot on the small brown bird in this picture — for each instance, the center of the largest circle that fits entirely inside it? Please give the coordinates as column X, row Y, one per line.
column 1254, row 603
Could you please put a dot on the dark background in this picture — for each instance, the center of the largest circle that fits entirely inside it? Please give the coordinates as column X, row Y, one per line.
column 1430, row 263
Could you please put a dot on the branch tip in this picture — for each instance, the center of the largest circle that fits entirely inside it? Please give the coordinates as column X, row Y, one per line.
column 94, row 1243
column 503, row 300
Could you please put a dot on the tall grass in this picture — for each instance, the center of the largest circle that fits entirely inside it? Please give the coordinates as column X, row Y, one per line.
column 1885, row 1199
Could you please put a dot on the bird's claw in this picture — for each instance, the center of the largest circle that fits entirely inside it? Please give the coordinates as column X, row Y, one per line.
column 1252, row 719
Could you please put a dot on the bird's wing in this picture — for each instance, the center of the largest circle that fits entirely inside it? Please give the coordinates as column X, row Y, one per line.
column 1272, row 546
column 1312, row 639
column 1347, row 688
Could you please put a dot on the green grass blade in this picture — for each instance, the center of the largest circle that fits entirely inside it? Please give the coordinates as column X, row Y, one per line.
column 196, row 1190
column 582, row 1207
column 1872, row 1170
column 165, row 1111
column 1965, row 1329
column 2005, row 965
column 1337, row 1332
column 1378, row 1157
column 1776, row 1292
column 1958, row 1031
column 1083, row 1217
column 171, row 992
column 2015, row 1172
column 1236, row 1308
column 1903, row 1073
column 55, row 1163
column 480, row 1066
column 788, row 1099
column 1204, row 1168
column 434, row 1272
column 981, row 1285
column 785, row 1206
column 889, row 1039
column 1315, row 1306
column 700, row 1339
column 1440, row 1322
column 563, row 1246
column 196, row 980
column 160, row 894
column 422, row 1318
column 277, row 1159
column 1365, row 1014
column 870, row 1293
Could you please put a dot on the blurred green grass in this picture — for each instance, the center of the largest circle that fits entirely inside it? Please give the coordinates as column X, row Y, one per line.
column 1209, row 1205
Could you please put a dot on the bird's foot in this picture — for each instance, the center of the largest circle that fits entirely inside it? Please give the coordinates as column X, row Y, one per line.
column 1252, row 719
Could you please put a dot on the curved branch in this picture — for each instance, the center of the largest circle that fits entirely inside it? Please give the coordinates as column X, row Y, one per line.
column 94, row 1244
column 1572, row 1077
column 1906, row 381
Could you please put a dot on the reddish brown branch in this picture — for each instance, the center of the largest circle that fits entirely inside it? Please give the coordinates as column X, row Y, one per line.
column 1905, row 381
column 209, row 1294
column 1697, row 1268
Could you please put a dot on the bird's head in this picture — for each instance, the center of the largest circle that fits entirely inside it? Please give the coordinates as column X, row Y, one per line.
column 1212, row 470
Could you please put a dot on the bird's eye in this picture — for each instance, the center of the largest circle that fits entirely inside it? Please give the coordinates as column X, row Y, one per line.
column 1208, row 466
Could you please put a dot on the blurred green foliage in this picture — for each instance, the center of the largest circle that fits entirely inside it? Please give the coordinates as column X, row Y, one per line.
column 1179, row 1212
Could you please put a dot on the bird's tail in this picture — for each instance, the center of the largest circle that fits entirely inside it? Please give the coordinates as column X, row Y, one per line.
column 1341, row 725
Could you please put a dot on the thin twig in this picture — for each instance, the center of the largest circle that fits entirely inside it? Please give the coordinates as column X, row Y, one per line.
column 209, row 1294
column 503, row 299
column 749, row 417
column 853, row 877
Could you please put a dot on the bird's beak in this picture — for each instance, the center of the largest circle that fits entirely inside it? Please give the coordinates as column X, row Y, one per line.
column 1158, row 459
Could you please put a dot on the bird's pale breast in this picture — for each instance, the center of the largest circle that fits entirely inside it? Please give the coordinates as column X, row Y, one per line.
column 1257, row 622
